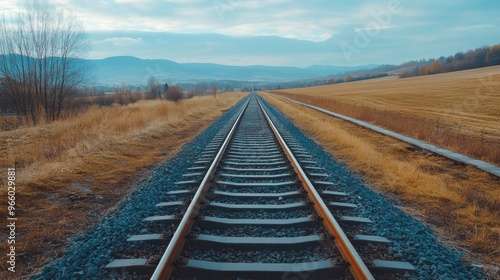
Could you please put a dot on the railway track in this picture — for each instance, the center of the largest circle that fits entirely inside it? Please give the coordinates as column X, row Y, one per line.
column 256, row 205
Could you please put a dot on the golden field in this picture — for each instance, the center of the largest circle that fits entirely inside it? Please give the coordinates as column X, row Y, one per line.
column 459, row 110
column 106, row 149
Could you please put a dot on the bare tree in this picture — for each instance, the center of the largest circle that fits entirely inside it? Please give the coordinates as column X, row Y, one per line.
column 214, row 89
column 121, row 95
column 154, row 87
column 201, row 87
column 41, row 51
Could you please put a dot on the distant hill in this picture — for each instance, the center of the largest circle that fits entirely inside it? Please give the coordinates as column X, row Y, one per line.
column 133, row 70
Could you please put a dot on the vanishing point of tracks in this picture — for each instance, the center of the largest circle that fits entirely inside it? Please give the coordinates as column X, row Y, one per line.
column 257, row 206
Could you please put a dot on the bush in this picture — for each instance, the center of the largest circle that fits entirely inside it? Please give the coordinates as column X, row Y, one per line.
column 174, row 93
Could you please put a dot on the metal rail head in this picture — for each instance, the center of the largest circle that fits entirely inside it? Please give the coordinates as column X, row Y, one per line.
column 165, row 266
column 356, row 264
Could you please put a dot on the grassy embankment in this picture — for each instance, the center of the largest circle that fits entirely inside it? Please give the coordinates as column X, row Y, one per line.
column 459, row 111
column 461, row 202
column 103, row 149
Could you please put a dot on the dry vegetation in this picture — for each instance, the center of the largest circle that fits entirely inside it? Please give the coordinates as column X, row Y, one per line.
column 459, row 111
column 103, row 149
column 461, row 202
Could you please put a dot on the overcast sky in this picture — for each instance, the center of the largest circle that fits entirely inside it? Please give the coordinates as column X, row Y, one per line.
column 284, row 32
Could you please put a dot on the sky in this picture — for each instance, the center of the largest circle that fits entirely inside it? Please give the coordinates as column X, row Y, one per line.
column 283, row 32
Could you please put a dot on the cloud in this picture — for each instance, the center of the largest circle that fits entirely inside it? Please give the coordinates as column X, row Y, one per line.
column 182, row 1
column 374, row 27
column 130, row 1
column 10, row 6
column 121, row 41
column 144, row 5
column 472, row 27
column 287, row 32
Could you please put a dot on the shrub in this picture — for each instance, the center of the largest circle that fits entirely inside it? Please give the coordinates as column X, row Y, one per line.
column 174, row 93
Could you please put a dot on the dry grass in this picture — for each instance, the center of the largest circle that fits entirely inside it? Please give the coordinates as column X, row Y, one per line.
column 104, row 149
column 459, row 111
column 7, row 123
column 461, row 202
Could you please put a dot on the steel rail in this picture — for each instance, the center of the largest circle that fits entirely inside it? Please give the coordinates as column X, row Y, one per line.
column 165, row 266
column 350, row 255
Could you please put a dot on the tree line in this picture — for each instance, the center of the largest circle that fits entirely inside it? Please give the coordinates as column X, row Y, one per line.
column 477, row 58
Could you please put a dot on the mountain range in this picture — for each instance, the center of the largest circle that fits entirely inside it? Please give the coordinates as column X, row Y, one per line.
column 133, row 70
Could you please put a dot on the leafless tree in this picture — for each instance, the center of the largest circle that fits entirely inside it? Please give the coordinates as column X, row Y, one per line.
column 121, row 95
column 41, row 51
column 214, row 89
column 154, row 87
column 201, row 87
